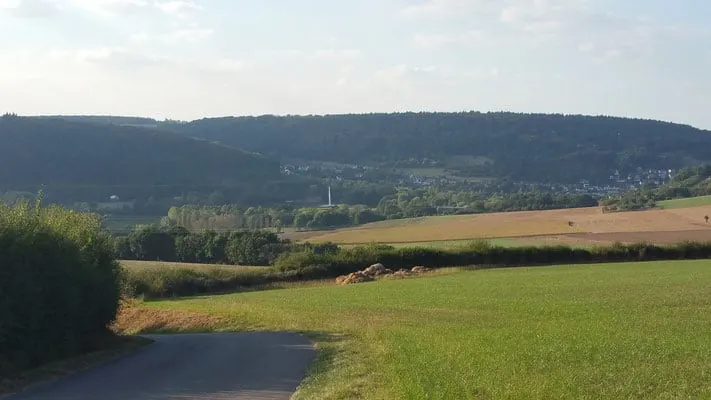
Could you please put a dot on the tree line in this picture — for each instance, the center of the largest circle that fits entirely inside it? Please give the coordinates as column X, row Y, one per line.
column 403, row 203
column 177, row 244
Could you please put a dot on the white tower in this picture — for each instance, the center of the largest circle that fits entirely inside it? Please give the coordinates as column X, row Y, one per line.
column 329, row 196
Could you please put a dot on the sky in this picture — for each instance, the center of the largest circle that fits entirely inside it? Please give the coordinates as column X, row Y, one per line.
column 190, row 59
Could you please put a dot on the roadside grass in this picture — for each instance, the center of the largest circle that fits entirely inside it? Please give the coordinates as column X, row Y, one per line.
column 685, row 203
column 161, row 279
column 147, row 265
column 624, row 331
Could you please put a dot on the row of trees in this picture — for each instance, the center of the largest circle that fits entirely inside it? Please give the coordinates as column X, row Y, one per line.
column 161, row 243
column 404, row 203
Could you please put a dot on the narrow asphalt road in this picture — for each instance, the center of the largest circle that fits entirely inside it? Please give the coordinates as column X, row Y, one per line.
column 224, row 366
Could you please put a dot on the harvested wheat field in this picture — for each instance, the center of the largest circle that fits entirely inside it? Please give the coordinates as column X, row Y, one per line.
column 583, row 224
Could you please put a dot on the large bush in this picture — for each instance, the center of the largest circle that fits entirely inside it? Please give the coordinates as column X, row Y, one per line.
column 59, row 285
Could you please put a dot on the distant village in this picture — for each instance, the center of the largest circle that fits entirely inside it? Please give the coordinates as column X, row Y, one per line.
column 616, row 184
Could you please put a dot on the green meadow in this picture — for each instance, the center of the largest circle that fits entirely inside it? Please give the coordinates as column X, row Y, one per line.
column 685, row 203
column 613, row 331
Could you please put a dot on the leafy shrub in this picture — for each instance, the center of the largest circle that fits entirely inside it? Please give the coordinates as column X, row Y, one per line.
column 166, row 281
column 156, row 243
column 59, row 285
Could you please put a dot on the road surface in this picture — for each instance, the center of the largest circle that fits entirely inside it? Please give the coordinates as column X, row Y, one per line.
column 224, row 366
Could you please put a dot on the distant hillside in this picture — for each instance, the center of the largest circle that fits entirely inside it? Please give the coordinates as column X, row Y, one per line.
column 109, row 119
column 59, row 153
column 528, row 147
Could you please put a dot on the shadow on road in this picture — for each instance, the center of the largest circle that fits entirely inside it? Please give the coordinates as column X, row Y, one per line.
column 195, row 366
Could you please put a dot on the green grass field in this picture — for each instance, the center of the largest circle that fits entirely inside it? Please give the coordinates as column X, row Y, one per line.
column 685, row 203
column 614, row 331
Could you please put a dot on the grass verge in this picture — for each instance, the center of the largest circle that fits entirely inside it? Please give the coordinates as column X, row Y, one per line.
column 621, row 331
column 147, row 279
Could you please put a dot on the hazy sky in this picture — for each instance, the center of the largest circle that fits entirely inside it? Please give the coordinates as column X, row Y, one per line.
column 187, row 59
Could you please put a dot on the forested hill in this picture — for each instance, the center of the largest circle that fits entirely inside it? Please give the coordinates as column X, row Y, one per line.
column 529, row 147
column 36, row 151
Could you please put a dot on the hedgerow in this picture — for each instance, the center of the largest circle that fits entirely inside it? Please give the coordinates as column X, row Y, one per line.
column 59, row 285
column 481, row 254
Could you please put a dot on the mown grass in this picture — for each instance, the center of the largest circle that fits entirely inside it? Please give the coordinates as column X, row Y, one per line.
column 623, row 331
column 685, row 203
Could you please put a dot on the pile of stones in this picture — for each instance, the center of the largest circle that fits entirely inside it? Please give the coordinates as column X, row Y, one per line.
column 378, row 270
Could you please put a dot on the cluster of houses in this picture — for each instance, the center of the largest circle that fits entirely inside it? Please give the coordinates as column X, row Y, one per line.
column 641, row 177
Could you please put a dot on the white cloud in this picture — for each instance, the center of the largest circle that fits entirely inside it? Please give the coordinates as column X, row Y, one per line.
column 530, row 55
column 439, row 40
column 437, row 8
column 313, row 55
column 335, row 54
column 174, row 8
column 139, row 38
column 126, row 60
column 178, row 8
column 117, row 57
column 188, row 35
column 111, row 7
column 567, row 24
column 227, row 65
column 29, row 8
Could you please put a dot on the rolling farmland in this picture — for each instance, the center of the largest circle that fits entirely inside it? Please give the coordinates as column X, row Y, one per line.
column 584, row 226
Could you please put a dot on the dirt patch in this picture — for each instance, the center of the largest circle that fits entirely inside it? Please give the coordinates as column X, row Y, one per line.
column 665, row 237
column 133, row 319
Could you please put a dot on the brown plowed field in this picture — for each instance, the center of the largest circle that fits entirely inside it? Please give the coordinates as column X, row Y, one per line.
column 571, row 226
column 669, row 237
